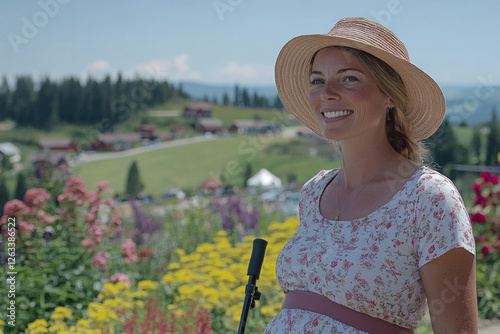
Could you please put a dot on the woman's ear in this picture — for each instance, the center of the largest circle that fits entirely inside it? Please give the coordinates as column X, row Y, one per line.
column 390, row 104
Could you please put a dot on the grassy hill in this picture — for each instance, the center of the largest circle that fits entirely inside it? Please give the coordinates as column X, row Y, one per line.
column 187, row 166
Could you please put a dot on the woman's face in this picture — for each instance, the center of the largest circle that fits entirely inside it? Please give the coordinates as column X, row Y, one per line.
column 346, row 100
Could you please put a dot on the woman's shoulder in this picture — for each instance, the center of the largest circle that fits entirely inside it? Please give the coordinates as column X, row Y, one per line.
column 431, row 183
column 323, row 175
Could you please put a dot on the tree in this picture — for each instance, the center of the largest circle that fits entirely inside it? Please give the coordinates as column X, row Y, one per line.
column 237, row 96
column 47, row 106
column 21, row 186
column 4, row 99
column 443, row 145
column 492, row 141
column 134, row 185
column 23, row 101
column 4, row 193
column 246, row 98
column 277, row 103
column 225, row 100
column 247, row 174
column 476, row 144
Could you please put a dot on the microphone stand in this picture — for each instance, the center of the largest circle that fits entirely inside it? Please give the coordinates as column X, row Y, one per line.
column 251, row 291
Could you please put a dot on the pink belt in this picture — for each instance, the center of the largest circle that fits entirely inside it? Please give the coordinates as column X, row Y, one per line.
column 313, row 302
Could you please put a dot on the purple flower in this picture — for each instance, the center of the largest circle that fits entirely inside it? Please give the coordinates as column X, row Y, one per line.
column 144, row 225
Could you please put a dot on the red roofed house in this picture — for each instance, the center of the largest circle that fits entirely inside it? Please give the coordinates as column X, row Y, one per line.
column 147, row 131
column 116, row 141
column 210, row 186
column 197, row 110
column 58, row 144
column 213, row 125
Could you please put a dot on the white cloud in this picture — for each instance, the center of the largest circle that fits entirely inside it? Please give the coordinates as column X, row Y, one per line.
column 97, row 70
column 233, row 69
column 99, row 65
column 174, row 69
column 181, row 62
column 155, row 68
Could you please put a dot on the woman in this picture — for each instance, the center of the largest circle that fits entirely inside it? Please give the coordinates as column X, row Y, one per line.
column 383, row 238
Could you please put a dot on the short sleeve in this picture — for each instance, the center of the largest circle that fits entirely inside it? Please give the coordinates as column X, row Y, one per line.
column 442, row 220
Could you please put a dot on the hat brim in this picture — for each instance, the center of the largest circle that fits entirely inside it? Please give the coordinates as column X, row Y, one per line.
column 426, row 104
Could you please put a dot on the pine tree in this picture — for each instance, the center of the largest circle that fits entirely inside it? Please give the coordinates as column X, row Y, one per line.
column 4, row 99
column 246, row 98
column 21, row 186
column 134, row 185
column 277, row 103
column 476, row 144
column 225, row 100
column 443, row 144
column 4, row 193
column 247, row 174
column 237, row 96
column 492, row 146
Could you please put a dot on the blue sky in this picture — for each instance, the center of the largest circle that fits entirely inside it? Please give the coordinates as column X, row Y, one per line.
column 233, row 41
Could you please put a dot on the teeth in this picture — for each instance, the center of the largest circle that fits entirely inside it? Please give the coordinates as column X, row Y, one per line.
column 333, row 114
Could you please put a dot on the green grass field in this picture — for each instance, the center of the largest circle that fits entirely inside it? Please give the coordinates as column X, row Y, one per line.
column 187, row 166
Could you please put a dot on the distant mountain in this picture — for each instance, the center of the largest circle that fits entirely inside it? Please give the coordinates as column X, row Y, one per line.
column 200, row 90
column 472, row 104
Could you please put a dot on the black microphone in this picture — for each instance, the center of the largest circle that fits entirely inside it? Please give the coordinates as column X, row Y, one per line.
column 251, row 291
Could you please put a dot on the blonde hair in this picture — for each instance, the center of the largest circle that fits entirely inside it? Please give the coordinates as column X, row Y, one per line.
column 391, row 84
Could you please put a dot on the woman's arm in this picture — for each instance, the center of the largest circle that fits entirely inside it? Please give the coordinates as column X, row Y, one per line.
column 450, row 287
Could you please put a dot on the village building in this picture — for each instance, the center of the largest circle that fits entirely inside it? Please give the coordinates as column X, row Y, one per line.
column 248, row 126
column 198, row 110
column 58, row 144
column 147, row 131
column 210, row 187
column 212, row 125
column 116, row 141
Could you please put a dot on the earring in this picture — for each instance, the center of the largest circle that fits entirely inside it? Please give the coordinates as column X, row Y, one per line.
column 389, row 113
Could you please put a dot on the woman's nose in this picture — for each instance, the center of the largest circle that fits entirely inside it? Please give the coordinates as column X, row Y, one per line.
column 330, row 91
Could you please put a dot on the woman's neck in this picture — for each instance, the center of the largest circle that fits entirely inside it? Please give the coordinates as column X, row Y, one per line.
column 364, row 161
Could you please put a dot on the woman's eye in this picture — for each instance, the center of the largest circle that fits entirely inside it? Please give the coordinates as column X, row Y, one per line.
column 350, row 79
column 316, row 81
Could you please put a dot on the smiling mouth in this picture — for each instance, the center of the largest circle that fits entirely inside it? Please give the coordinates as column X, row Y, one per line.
column 335, row 114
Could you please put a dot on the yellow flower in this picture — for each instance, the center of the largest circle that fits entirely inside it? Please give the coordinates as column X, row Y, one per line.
column 173, row 266
column 148, row 285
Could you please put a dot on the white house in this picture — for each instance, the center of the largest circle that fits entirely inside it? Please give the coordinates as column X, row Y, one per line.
column 12, row 151
column 264, row 179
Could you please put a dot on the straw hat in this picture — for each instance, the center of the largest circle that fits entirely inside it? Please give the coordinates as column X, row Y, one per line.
column 426, row 104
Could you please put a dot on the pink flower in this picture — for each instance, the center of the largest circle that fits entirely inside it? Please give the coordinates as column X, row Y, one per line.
column 129, row 251
column 86, row 243
column 485, row 176
column 90, row 218
column 93, row 197
column 36, row 197
column 485, row 250
column 476, row 187
column 101, row 261
column 14, row 208
column 480, row 200
column 119, row 277
column 103, row 186
column 97, row 231
column 45, row 218
column 25, row 227
column 478, row 218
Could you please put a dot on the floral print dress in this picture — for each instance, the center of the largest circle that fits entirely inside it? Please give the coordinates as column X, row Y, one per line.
column 370, row 264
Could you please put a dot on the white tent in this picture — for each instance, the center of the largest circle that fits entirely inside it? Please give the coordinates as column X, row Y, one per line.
column 264, row 179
